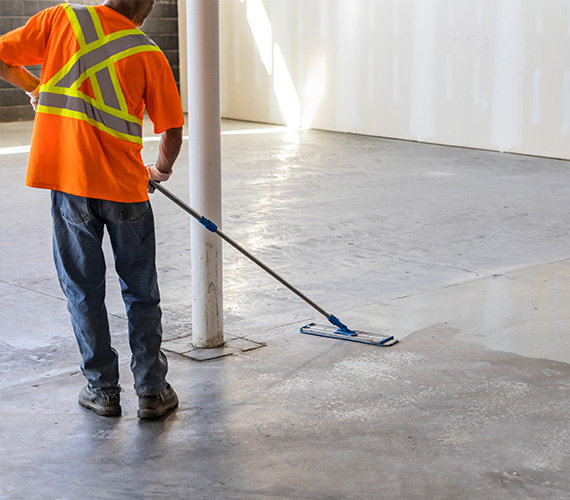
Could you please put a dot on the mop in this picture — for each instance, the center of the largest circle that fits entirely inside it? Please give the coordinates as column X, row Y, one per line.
column 338, row 330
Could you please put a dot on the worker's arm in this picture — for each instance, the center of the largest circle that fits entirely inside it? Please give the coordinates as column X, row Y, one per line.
column 21, row 78
column 169, row 148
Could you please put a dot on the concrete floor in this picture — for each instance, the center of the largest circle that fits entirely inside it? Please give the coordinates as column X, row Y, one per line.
column 462, row 254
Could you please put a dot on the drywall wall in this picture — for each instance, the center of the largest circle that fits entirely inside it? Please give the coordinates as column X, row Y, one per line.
column 491, row 74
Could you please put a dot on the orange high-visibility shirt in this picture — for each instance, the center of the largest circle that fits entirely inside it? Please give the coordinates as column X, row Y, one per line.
column 99, row 74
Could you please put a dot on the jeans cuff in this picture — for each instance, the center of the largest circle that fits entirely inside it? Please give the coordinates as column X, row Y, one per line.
column 146, row 391
column 110, row 391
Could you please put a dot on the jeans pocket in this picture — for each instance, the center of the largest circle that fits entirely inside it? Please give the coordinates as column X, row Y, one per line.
column 132, row 211
column 73, row 209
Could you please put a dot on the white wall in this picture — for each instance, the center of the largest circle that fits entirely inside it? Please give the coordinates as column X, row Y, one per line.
column 491, row 74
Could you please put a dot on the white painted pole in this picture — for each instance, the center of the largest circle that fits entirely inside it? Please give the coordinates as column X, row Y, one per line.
column 205, row 170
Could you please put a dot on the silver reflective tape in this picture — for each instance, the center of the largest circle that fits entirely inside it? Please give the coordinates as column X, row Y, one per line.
column 107, row 88
column 86, row 23
column 76, row 104
column 101, row 54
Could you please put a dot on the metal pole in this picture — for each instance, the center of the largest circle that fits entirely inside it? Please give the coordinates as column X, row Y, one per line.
column 205, row 170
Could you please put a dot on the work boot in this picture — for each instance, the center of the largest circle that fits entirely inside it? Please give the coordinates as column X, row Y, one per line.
column 157, row 405
column 106, row 405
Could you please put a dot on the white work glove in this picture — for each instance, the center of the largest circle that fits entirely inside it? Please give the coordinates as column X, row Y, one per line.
column 34, row 96
column 156, row 175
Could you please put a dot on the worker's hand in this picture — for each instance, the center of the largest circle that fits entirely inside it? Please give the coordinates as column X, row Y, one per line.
column 156, row 175
column 34, row 96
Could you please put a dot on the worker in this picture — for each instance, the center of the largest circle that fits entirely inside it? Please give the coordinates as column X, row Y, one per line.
column 99, row 74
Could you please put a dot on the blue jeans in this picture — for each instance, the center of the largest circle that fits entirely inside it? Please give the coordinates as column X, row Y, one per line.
column 78, row 227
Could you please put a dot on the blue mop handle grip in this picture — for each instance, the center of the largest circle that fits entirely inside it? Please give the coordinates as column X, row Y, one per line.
column 342, row 327
column 208, row 224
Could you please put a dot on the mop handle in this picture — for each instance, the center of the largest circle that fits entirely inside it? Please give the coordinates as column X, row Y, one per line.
column 211, row 226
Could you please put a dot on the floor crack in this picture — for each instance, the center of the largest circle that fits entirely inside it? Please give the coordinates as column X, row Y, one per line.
column 51, row 296
column 411, row 261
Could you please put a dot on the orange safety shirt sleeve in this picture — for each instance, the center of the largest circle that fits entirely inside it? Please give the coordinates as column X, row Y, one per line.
column 26, row 46
column 161, row 97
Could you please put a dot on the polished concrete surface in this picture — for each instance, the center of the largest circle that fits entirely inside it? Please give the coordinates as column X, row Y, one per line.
column 462, row 254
